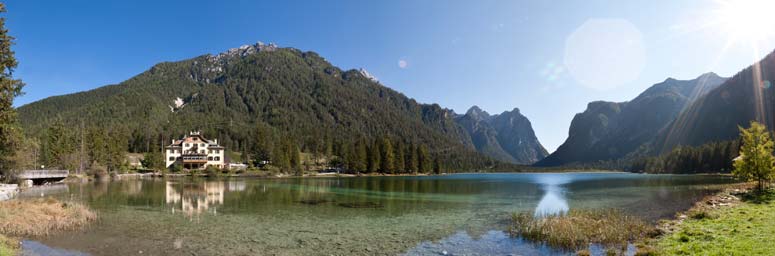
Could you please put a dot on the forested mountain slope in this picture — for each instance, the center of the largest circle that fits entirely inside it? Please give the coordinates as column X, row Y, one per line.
column 253, row 95
column 746, row 96
column 611, row 130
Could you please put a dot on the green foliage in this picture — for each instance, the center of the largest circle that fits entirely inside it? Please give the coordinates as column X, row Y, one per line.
column 154, row 160
column 424, row 164
column 10, row 88
column 176, row 168
column 756, row 160
column 387, row 157
column 212, row 171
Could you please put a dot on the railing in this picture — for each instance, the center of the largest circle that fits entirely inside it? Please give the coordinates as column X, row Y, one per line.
column 43, row 174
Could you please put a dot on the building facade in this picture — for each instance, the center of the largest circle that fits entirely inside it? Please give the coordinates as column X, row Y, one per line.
column 194, row 151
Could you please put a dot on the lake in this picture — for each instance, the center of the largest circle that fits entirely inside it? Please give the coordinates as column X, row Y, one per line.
column 425, row 215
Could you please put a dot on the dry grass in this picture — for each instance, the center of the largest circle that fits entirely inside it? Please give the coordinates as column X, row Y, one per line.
column 40, row 217
column 577, row 229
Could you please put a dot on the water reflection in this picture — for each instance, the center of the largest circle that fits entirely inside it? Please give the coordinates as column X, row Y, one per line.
column 194, row 199
column 44, row 191
column 553, row 202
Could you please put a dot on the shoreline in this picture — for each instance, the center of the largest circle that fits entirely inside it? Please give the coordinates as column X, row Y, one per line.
column 729, row 197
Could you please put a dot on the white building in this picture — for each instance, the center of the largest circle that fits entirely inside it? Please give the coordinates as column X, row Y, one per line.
column 195, row 152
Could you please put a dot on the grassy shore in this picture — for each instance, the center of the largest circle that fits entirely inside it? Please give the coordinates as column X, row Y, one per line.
column 8, row 246
column 38, row 217
column 734, row 222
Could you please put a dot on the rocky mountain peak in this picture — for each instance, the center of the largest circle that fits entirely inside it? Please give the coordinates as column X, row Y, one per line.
column 368, row 75
column 477, row 113
column 244, row 50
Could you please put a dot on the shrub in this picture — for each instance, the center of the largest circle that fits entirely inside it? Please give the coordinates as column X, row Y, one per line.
column 212, row 171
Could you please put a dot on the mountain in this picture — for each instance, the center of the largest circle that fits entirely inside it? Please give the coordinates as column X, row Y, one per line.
column 240, row 95
column 611, row 130
column 508, row 137
column 747, row 96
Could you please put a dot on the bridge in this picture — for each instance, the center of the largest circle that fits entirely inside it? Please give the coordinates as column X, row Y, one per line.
column 42, row 176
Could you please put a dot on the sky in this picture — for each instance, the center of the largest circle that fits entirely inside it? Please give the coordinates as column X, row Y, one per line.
column 547, row 58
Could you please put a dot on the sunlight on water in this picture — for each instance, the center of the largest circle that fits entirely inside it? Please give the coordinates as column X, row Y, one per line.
column 553, row 203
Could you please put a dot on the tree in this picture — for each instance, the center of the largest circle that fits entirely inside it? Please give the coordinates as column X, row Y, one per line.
column 412, row 162
column 423, row 159
column 10, row 88
column 436, row 165
column 756, row 160
column 400, row 157
column 153, row 160
column 373, row 158
column 294, row 155
column 59, row 145
column 387, row 163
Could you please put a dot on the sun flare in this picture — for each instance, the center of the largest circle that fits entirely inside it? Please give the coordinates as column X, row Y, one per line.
column 747, row 20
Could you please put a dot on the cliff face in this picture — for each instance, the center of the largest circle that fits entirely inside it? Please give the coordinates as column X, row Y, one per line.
column 508, row 136
column 611, row 130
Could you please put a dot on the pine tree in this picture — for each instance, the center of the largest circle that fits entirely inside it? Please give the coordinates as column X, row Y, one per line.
column 436, row 165
column 756, row 160
column 58, row 145
column 413, row 159
column 400, row 157
column 373, row 160
column 423, row 159
column 294, row 155
column 387, row 161
column 10, row 88
column 360, row 156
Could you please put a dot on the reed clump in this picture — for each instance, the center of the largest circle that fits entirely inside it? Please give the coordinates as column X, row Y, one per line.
column 41, row 217
column 578, row 228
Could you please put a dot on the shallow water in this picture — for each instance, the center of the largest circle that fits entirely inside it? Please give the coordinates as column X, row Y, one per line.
column 462, row 214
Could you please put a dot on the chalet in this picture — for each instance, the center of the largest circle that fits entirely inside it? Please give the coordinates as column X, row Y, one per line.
column 194, row 151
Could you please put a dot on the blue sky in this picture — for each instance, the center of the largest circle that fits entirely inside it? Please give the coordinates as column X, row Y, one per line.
column 498, row 55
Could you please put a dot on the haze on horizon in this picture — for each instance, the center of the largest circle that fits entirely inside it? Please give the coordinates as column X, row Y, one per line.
column 533, row 55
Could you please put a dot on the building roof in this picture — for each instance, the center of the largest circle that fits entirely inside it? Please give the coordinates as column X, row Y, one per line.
column 199, row 136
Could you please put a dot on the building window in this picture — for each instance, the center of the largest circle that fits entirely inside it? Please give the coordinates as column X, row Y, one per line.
column 202, row 145
column 217, row 158
column 172, row 158
column 210, row 158
column 202, row 151
column 188, row 145
column 217, row 151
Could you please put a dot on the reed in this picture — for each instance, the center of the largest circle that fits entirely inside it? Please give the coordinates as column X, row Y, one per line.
column 577, row 229
column 41, row 217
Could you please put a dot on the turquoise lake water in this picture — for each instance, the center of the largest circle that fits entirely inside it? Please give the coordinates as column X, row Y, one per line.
column 461, row 214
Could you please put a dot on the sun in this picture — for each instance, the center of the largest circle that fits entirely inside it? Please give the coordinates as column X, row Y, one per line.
column 747, row 20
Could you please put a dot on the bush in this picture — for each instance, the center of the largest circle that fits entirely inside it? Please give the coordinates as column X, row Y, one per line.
column 212, row 171
column 176, row 168
column 98, row 171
